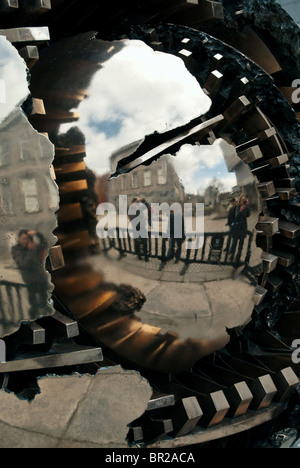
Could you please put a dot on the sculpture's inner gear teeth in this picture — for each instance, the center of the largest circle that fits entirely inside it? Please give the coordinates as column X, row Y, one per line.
column 261, row 124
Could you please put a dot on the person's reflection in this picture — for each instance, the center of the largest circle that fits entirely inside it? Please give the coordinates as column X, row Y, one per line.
column 230, row 220
column 239, row 227
column 141, row 242
column 231, row 214
column 149, row 209
column 29, row 255
column 176, row 230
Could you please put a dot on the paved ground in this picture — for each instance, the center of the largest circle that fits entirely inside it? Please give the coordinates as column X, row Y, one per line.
column 201, row 308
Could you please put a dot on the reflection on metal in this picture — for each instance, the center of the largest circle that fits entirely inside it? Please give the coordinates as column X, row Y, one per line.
column 160, row 401
column 169, row 145
column 58, row 356
column 259, row 145
column 215, row 249
column 13, row 84
column 173, row 165
column 26, row 35
column 28, row 200
column 175, row 421
column 225, row 429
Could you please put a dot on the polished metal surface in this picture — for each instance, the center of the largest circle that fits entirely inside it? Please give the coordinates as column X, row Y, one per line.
column 130, row 132
column 226, row 429
column 106, row 309
column 28, row 200
column 58, row 356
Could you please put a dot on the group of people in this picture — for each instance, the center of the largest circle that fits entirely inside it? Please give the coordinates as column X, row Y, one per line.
column 145, row 220
column 238, row 214
column 31, row 249
column 29, row 255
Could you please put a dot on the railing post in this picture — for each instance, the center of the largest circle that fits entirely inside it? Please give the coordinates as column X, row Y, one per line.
column 131, row 250
column 20, row 305
column 249, row 247
column 112, row 239
column 11, row 297
column 120, row 243
column 2, row 352
column 163, row 254
column 149, row 244
column 186, row 260
column 228, row 246
column 216, row 249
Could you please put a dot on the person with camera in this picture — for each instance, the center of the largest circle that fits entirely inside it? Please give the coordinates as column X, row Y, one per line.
column 29, row 255
column 239, row 227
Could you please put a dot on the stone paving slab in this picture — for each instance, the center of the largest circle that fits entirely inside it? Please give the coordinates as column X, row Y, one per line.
column 75, row 411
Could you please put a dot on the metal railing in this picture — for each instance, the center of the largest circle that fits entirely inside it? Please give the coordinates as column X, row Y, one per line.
column 214, row 248
column 13, row 302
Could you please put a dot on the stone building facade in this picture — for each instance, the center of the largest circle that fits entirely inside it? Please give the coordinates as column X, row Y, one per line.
column 28, row 195
column 157, row 183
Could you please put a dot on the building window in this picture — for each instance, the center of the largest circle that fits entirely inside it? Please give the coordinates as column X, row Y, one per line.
column 47, row 150
column 124, row 182
column 31, row 196
column 135, row 181
column 162, row 174
column 147, row 178
column 26, row 149
column 5, row 198
column 4, row 154
column 53, row 200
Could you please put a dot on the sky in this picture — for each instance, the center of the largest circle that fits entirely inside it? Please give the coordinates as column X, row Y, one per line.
column 139, row 91
column 13, row 79
column 293, row 8
column 198, row 165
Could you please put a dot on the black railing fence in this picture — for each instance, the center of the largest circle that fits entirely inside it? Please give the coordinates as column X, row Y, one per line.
column 210, row 248
column 13, row 301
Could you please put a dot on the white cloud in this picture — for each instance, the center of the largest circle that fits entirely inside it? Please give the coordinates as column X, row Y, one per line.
column 13, row 79
column 198, row 165
column 136, row 92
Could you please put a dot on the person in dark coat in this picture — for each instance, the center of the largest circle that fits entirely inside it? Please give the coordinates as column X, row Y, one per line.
column 230, row 221
column 176, row 241
column 231, row 213
column 29, row 255
column 141, row 243
column 149, row 209
column 239, row 227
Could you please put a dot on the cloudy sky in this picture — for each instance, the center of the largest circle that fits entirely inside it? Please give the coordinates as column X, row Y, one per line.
column 13, row 79
column 137, row 92
column 198, row 165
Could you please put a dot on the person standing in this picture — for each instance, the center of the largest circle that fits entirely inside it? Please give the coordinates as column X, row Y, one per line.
column 29, row 255
column 141, row 240
column 230, row 221
column 240, row 226
column 176, row 231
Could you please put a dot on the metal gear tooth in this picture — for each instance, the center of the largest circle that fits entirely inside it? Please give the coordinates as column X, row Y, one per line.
column 256, row 369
